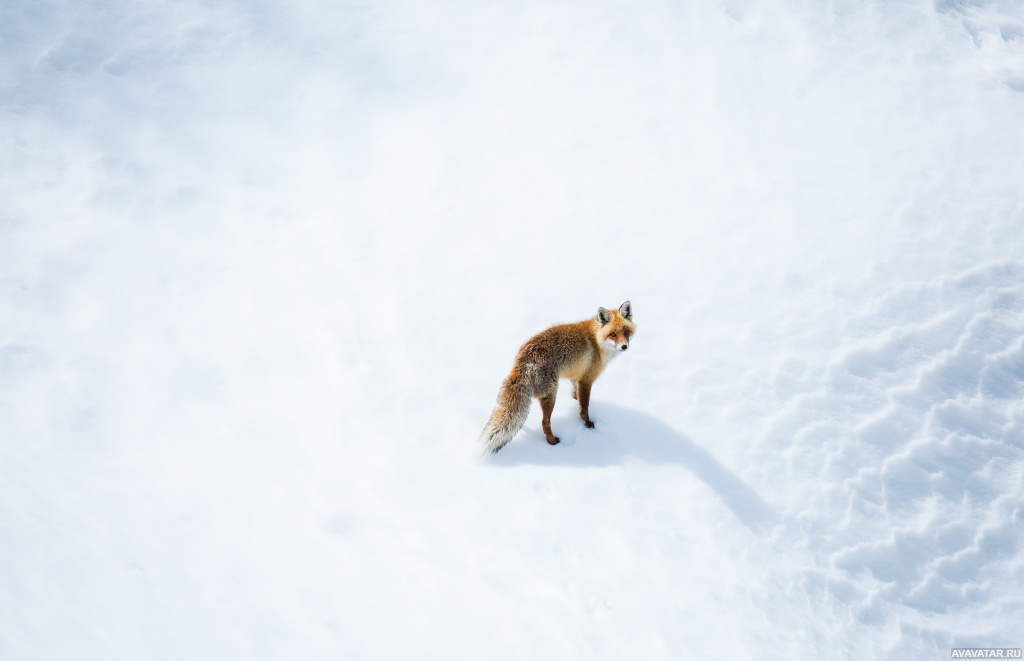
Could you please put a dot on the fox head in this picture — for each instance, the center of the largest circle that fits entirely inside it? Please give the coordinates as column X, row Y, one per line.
column 617, row 327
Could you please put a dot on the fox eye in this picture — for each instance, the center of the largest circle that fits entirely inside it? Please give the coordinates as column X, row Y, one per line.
column 611, row 335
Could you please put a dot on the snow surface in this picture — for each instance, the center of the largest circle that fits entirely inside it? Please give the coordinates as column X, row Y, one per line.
column 263, row 266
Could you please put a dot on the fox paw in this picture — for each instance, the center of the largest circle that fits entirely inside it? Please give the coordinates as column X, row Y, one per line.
column 589, row 424
column 554, row 440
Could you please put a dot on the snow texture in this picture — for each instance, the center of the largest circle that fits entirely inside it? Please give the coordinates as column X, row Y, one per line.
column 264, row 265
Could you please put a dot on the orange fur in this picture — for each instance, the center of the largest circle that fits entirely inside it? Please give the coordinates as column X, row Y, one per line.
column 578, row 352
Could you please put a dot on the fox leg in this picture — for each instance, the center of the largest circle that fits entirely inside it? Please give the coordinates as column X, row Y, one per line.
column 584, row 399
column 547, row 404
column 574, row 384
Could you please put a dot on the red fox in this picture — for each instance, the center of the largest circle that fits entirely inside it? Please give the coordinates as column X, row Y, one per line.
column 578, row 352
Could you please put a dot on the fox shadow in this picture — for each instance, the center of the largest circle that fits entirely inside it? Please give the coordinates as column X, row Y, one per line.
column 622, row 434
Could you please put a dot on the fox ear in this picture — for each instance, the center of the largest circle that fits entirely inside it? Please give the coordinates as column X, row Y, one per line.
column 626, row 310
column 604, row 316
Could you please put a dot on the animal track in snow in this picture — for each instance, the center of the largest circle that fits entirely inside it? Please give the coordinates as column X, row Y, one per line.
column 916, row 434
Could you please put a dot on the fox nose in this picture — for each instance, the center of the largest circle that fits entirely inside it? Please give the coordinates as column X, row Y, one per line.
column 623, row 347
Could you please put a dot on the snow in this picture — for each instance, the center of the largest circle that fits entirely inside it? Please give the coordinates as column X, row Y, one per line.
column 263, row 267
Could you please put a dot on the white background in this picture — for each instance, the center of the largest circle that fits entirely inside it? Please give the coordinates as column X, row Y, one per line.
column 263, row 266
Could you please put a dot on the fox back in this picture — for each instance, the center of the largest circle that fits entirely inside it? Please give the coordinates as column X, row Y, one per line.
column 578, row 352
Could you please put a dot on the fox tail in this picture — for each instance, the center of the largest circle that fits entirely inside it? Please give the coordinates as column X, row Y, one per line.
column 510, row 414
